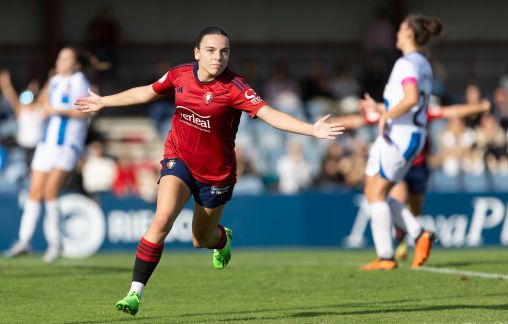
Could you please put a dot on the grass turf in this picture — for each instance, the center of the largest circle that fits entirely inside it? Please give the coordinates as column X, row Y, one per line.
column 259, row 286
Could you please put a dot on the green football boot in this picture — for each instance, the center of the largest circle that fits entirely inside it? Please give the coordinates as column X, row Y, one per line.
column 129, row 304
column 221, row 257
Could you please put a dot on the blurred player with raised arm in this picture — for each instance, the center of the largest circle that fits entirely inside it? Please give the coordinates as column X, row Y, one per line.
column 56, row 154
column 29, row 110
column 199, row 158
column 402, row 134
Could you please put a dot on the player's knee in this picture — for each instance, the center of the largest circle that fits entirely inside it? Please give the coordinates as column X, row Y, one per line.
column 366, row 193
column 160, row 226
column 371, row 195
column 375, row 193
column 35, row 196
column 50, row 195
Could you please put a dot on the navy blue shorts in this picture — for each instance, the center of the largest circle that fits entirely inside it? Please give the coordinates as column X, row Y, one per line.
column 204, row 194
column 417, row 179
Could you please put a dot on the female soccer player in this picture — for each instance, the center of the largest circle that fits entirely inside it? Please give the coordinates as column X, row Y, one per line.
column 56, row 154
column 199, row 158
column 402, row 132
column 411, row 190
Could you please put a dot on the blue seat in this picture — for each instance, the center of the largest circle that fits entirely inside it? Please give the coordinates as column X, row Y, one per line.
column 500, row 182
column 475, row 182
column 441, row 182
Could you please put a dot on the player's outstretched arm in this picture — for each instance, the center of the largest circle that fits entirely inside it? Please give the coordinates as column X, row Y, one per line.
column 350, row 121
column 134, row 96
column 321, row 129
column 463, row 110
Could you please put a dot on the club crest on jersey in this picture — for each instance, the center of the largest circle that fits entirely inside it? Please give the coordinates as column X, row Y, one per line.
column 252, row 96
column 208, row 97
column 171, row 164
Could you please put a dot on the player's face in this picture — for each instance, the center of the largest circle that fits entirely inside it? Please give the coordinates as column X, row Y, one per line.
column 213, row 56
column 404, row 35
column 66, row 61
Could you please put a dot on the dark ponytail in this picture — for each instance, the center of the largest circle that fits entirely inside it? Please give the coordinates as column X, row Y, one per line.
column 424, row 27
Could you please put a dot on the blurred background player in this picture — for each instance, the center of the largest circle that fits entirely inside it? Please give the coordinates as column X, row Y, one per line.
column 411, row 190
column 56, row 155
column 402, row 133
column 199, row 158
column 29, row 110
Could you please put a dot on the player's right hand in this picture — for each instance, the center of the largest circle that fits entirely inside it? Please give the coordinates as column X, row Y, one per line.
column 367, row 104
column 91, row 103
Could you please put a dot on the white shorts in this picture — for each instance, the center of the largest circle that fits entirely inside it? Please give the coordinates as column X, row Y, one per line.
column 48, row 157
column 393, row 159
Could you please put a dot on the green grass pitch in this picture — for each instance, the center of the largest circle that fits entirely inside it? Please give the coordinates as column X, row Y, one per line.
column 260, row 286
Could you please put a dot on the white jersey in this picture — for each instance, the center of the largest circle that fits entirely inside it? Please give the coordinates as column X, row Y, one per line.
column 391, row 154
column 62, row 130
column 410, row 68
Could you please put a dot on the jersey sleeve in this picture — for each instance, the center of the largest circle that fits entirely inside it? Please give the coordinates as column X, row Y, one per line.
column 78, row 88
column 245, row 98
column 165, row 85
column 405, row 71
column 81, row 86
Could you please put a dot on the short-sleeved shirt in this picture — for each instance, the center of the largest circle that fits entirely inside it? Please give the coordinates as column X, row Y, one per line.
column 63, row 91
column 206, row 120
column 410, row 68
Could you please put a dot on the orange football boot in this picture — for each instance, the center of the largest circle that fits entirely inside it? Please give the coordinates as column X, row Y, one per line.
column 422, row 248
column 380, row 264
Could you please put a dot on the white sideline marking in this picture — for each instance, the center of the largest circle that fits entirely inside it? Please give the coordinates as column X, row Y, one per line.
column 483, row 275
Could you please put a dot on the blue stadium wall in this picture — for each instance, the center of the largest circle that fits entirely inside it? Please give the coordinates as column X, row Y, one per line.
column 305, row 220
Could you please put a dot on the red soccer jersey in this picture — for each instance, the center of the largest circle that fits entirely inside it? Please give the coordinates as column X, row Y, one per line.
column 206, row 120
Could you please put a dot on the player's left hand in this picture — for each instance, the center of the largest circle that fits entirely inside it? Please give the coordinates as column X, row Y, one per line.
column 326, row 130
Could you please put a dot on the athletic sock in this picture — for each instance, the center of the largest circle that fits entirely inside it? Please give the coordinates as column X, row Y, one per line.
column 148, row 256
column 404, row 219
column 29, row 220
column 52, row 224
column 138, row 288
column 223, row 238
column 381, row 227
